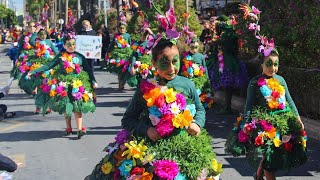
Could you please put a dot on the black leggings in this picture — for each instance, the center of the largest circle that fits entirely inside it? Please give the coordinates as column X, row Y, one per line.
column 7, row 164
column 3, row 108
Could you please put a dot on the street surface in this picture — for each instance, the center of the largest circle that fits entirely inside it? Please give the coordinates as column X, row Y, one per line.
column 39, row 143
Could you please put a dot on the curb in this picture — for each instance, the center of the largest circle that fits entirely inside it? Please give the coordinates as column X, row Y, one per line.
column 312, row 126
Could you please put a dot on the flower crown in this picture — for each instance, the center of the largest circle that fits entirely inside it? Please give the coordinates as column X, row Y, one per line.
column 266, row 46
column 71, row 35
column 167, row 24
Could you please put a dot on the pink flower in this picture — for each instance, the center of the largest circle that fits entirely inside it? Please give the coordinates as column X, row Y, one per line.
column 171, row 17
column 181, row 101
column 165, row 127
column 262, row 81
column 165, row 109
column 65, row 64
column 81, row 89
column 166, row 169
column 281, row 106
column 146, row 86
column 59, row 89
column 242, row 137
column 255, row 10
column 254, row 26
column 46, row 88
column 116, row 174
column 266, row 126
column 77, row 95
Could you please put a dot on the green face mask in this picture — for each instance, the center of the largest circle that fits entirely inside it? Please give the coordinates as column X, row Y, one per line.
column 269, row 63
column 69, row 44
column 164, row 63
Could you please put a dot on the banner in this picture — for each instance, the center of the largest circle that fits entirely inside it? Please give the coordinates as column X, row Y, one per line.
column 89, row 46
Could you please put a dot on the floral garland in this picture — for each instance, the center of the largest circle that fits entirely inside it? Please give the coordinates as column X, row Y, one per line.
column 190, row 69
column 43, row 50
column 206, row 99
column 141, row 51
column 71, row 63
column 120, row 42
column 144, row 69
column 167, row 108
column 26, row 44
column 273, row 92
column 120, row 63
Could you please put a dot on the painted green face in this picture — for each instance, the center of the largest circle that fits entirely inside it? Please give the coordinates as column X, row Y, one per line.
column 42, row 35
column 70, row 46
column 194, row 47
column 270, row 65
column 168, row 63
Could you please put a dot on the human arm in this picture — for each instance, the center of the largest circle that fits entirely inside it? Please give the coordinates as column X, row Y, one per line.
column 132, row 61
column 33, row 38
column 131, row 120
column 47, row 66
column 203, row 61
column 7, row 164
column 86, row 67
column 53, row 47
column 251, row 99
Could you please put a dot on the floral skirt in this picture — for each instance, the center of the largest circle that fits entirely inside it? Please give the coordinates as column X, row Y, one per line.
column 179, row 157
column 275, row 136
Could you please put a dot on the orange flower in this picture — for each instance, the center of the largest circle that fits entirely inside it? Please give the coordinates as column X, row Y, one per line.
column 69, row 69
column 52, row 93
column 85, row 97
column 152, row 96
column 146, row 176
column 186, row 15
column 273, row 104
column 119, row 157
column 272, row 133
column 246, row 9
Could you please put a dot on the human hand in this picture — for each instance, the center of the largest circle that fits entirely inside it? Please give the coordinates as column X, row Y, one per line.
column 132, row 71
column 300, row 123
column 194, row 129
column 95, row 85
column 38, row 28
column 28, row 75
column 153, row 134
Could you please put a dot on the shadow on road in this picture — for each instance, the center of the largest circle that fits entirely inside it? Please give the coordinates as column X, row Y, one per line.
column 113, row 104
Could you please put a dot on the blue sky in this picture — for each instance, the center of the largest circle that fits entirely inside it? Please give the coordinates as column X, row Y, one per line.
column 19, row 5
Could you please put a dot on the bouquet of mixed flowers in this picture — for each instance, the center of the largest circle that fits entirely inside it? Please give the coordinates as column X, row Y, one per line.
column 191, row 69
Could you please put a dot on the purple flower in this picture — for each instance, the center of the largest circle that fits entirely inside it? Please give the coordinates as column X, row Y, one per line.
column 165, row 109
column 243, row 137
column 122, row 136
column 266, row 126
column 172, row 34
column 77, row 95
column 59, row 89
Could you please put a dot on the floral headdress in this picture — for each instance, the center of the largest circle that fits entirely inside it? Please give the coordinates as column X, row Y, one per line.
column 167, row 23
column 266, row 46
column 123, row 20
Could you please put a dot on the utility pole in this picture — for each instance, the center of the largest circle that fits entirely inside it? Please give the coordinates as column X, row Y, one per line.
column 60, row 9
column 187, row 11
column 170, row 3
column 79, row 9
column 66, row 18
column 105, row 12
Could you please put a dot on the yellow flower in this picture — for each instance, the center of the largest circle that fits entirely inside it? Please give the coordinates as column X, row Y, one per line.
column 272, row 83
column 136, row 151
column 276, row 142
column 182, row 120
column 76, row 83
column 52, row 93
column 148, row 158
column 272, row 133
column 51, row 72
column 35, row 66
column 196, row 72
column 304, row 143
column 170, row 95
column 273, row 104
column 44, row 75
column 49, row 82
column 106, row 168
column 217, row 167
column 144, row 66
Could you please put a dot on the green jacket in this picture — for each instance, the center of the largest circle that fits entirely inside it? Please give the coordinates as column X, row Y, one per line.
column 47, row 41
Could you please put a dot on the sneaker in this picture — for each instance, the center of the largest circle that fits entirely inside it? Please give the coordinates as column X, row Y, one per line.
column 68, row 131
column 48, row 111
column 80, row 134
column 37, row 111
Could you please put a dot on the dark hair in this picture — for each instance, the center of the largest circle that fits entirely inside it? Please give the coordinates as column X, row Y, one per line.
column 66, row 38
column 274, row 52
column 158, row 49
column 45, row 32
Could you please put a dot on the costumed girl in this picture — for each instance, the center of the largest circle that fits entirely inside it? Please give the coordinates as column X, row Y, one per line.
column 194, row 68
column 140, row 61
column 70, row 88
column 271, row 135
column 227, row 72
column 163, row 136
column 44, row 52
column 119, row 53
column 24, row 51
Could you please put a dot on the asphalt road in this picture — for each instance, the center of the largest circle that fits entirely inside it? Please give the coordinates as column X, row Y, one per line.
column 39, row 143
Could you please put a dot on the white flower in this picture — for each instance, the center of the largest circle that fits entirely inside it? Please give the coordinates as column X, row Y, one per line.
column 175, row 108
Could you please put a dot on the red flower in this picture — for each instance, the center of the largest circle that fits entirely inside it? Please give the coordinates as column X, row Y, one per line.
column 288, row 146
column 41, row 86
column 275, row 94
column 248, row 129
column 258, row 141
column 137, row 171
column 303, row 133
column 160, row 101
column 146, row 86
column 53, row 81
column 63, row 93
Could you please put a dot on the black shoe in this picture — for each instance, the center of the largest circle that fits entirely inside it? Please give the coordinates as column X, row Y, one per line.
column 80, row 134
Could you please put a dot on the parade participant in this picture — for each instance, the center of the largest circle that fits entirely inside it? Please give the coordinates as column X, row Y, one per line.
column 194, row 67
column 140, row 61
column 164, row 112
column 119, row 53
column 70, row 89
column 24, row 50
column 227, row 71
column 271, row 134
column 44, row 52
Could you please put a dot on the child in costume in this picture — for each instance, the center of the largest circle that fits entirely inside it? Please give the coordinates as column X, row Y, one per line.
column 140, row 61
column 163, row 136
column 24, row 51
column 119, row 54
column 227, row 72
column 44, row 52
column 271, row 134
column 70, row 88
column 194, row 68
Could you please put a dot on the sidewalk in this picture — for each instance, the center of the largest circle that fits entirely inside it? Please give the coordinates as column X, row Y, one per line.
column 238, row 103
